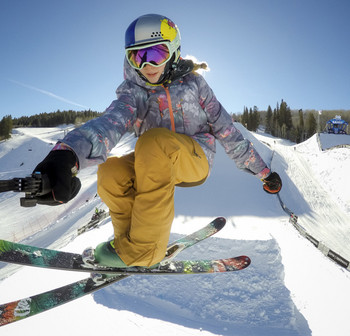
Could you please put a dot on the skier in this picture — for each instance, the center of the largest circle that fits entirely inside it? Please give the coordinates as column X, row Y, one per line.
column 177, row 119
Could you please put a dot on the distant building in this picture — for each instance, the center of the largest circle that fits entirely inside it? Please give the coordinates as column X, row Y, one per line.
column 337, row 125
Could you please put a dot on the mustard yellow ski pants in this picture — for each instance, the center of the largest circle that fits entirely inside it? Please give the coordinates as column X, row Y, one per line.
column 139, row 191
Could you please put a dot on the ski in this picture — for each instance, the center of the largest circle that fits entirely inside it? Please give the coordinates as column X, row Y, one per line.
column 94, row 222
column 28, row 255
column 73, row 262
column 179, row 267
column 20, row 309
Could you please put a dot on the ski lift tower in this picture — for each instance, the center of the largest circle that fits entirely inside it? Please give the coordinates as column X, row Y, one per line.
column 337, row 125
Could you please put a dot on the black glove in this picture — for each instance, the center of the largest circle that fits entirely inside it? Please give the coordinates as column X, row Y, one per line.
column 272, row 184
column 60, row 166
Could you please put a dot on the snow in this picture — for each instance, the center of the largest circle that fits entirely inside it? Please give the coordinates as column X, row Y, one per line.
column 290, row 288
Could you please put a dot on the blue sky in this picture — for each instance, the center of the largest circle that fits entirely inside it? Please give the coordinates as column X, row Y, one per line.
column 68, row 54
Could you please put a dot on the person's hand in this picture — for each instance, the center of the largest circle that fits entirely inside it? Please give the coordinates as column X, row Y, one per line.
column 60, row 166
column 272, row 184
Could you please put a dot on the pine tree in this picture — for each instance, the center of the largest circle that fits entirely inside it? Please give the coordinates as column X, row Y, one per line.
column 245, row 118
column 269, row 121
column 301, row 127
column 256, row 119
column 285, row 115
column 250, row 120
column 6, row 127
column 311, row 124
column 275, row 122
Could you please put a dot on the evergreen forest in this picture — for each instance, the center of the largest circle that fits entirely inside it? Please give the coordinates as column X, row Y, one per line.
column 281, row 121
column 52, row 119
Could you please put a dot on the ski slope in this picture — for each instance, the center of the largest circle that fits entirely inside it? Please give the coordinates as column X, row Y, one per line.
column 290, row 288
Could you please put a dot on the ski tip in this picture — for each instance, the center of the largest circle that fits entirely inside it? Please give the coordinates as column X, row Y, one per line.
column 233, row 264
column 219, row 222
column 236, row 263
column 246, row 261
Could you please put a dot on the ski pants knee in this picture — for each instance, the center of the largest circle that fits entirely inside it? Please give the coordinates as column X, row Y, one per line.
column 139, row 191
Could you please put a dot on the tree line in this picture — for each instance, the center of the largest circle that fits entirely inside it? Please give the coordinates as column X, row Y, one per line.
column 52, row 119
column 283, row 122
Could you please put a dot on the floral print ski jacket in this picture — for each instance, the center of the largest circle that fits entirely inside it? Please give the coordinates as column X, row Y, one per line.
column 186, row 105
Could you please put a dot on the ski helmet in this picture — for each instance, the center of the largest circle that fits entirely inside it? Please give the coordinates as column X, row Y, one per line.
column 151, row 29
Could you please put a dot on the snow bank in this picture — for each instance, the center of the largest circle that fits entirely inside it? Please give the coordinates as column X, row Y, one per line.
column 289, row 289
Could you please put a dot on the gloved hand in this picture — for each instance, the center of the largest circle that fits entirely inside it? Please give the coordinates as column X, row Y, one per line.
column 272, row 184
column 61, row 167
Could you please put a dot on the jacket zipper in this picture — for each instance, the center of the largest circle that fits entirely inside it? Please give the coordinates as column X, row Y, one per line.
column 171, row 113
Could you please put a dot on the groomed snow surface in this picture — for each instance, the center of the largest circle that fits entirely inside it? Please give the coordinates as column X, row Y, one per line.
column 290, row 288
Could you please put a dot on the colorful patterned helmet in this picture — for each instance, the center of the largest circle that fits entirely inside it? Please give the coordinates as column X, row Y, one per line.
column 153, row 28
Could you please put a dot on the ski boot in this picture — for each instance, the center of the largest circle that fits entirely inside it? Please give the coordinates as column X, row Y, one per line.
column 103, row 255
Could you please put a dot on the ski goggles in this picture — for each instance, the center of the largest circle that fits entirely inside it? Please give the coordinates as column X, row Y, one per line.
column 154, row 54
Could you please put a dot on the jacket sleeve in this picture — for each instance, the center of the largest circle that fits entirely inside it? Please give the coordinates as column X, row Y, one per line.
column 236, row 146
column 96, row 138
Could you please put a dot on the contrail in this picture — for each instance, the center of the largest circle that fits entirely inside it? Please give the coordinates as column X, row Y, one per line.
column 50, row 94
